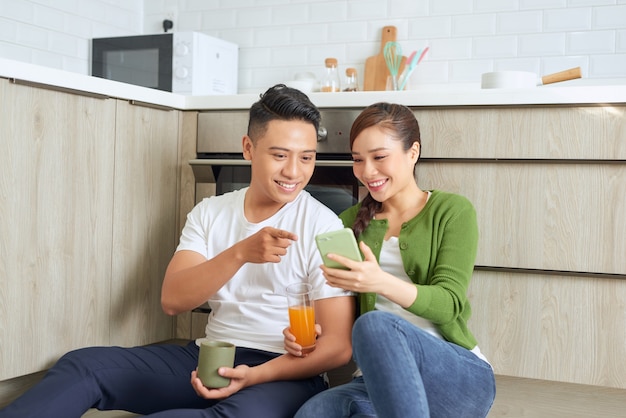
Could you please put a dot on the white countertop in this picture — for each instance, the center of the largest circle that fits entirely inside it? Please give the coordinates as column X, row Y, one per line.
column 579, row 91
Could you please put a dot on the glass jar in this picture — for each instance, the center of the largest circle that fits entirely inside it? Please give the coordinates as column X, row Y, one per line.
column 352, row 82
column 330, row 82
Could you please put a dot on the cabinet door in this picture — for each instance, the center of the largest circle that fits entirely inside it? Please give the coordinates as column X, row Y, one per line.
column 561, row 328
column 144, row 222
column 544, row 216
column 533, row 132
column 56, row 204
column 547, row 182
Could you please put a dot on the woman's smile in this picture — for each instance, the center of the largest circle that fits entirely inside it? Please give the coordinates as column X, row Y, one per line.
column 377, row 184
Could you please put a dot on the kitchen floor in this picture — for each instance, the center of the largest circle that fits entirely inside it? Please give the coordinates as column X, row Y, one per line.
column 526, row 398
column 530, row 398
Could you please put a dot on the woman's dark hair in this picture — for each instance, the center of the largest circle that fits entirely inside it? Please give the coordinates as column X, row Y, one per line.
column 400, row 122
column 281, row 103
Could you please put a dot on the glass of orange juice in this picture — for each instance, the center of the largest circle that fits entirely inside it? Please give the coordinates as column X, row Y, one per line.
column 302, row 315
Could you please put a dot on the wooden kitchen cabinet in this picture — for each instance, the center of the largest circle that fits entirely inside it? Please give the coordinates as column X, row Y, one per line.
column 187, row 323
column 89, row 202
column 549, row 185
column 144, row 221
column 56, row 203
column 562, row 328
column 547, row 181
column 543, row 215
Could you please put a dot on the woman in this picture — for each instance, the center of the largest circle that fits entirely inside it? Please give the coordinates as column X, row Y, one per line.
column 416, row 355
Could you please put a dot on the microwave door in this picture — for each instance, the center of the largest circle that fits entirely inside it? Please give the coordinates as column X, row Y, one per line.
column 140, row 60
column 138, row 67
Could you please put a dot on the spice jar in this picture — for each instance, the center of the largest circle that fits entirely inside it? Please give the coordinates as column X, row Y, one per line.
column 352, row 83
column 330, row 82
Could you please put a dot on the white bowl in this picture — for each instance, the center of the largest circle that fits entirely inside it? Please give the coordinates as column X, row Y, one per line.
column 306, row 75
column 305, row 86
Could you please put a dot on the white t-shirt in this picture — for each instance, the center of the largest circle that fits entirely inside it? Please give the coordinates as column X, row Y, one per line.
column 390, row 260
column 250, row 310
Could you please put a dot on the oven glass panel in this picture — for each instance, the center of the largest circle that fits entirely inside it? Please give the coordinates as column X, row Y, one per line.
column 335, row 187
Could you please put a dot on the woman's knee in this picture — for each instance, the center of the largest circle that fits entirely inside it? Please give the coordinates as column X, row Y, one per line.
column 371, row 325
column 343, row 400
column 315, row 406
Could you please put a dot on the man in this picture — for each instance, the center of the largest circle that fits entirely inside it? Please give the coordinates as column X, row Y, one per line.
column 238, row 251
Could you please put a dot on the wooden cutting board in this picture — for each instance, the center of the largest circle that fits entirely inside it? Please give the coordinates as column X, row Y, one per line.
column 376, row 71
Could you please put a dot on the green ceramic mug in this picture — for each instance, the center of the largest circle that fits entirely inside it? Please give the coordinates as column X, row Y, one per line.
column 213, row 355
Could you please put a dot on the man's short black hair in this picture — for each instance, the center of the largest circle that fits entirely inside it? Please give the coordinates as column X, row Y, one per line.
column 281, row 103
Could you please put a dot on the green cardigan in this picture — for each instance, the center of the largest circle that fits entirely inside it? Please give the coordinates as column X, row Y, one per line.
column 438, row 248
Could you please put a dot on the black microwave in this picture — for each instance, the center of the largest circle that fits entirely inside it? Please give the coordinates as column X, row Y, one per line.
column 190, row 63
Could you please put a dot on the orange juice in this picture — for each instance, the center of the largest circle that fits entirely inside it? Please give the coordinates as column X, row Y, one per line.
column 302, row 324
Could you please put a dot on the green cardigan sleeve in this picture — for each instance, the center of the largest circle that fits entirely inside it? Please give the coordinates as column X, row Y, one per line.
column 438, row 249
column 442, row 289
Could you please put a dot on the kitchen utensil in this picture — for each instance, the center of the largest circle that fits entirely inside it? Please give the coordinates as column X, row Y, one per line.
column 569, row 74
column 376, row 72
column 422, row 55
column 524, row 79
column 411, row 57
column 393, row 58
column 413, row 61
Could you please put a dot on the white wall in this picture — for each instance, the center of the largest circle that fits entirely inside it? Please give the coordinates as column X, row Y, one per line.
column 278, row 38
column 57, row 33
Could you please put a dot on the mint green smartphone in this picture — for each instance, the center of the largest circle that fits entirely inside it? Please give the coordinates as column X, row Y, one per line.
column 340, row 242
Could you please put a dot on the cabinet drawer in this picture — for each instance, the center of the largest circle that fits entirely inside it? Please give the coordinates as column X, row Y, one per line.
column 565, row 217
column 539, row 132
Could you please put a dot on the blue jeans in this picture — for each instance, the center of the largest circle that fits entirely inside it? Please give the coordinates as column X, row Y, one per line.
column 406, row 373
column 153, row 380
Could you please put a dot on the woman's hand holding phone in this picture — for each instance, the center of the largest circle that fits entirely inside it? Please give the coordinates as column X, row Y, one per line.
column 357, row 275
column 340, row 242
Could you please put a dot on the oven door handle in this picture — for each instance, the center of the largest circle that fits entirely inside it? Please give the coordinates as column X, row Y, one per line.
column 203, row 173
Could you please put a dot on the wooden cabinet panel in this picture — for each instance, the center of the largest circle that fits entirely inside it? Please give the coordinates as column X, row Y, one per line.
column 546, row 132
column 560, row 328
column 145, row 231
column 549, row 215
column 187, row 151
column 542, row 216
column 56, row 202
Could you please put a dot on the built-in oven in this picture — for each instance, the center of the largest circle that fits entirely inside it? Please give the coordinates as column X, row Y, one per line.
column 220, row 164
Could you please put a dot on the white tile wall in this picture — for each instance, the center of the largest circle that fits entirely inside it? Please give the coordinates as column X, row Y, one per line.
column 542, row 4
column 519, row 22
column 567, row 20
column 481, row 6
column 621, row 41
column 583, row 43
column 479, row 25
column 279, row 38
column 494, row 46
column 57, row 33
column 609, row 17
